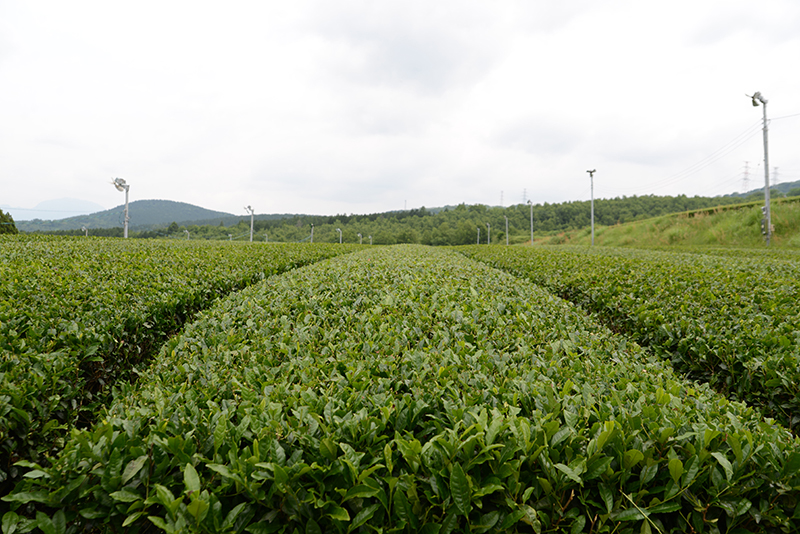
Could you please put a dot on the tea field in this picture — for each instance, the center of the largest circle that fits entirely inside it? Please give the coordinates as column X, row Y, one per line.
column 411, row 389
column 726, row 317
column 76, row 315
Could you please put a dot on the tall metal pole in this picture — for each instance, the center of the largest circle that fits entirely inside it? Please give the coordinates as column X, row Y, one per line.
column 122, row 185
column 359, row 239
column 312, row 232
column 591, row 178
column 127, row 218
column 506, row 229
column 479, row 235
column 252, row 213
column 488, row 234
column 766, row 176
column 531, row 205
column 757, row 97
column 340, row 235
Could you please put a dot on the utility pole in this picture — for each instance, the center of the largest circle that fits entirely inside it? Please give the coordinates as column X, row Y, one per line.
column 252, row 214
column 506, row 229
column 757, row 97
column 531, row 205
column 591, row 178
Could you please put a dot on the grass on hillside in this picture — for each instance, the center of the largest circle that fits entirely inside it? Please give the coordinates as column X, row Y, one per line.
column 727, row 226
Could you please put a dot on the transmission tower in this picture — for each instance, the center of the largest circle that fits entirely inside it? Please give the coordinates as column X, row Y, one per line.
column 746, row 177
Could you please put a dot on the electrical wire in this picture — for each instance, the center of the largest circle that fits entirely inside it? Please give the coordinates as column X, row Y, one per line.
column 785, row 117
column 718, row 154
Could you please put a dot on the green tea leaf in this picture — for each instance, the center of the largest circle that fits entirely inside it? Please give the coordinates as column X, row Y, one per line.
column 220, row 432
column 363, row 516
column 607, row 496
column 10, row 522
column 570, row 472
column 460, row 490
column 132, row 518
column 726, row 465
column 632, row 457
column 510, row 520
column 402, row 507
column 125, row 496
column 44, row 522
column 190, row 479
column 133, row 467
column 629, row 514
column 338, row 513
column 675, row 469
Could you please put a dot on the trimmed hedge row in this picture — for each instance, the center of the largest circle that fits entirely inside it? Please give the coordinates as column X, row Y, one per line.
column 77, row 314
column 412, row 390
column 733, row 322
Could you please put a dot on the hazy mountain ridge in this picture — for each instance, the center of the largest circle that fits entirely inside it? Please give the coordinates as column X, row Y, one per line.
column 144, row 215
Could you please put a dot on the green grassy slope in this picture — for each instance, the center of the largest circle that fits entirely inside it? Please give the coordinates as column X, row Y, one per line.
column 727, row 226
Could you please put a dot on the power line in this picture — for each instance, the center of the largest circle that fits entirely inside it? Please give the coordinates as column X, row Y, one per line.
column 785, row 117
column 726, row 149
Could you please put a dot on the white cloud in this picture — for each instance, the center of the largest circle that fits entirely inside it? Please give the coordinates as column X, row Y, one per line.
column 360, row 106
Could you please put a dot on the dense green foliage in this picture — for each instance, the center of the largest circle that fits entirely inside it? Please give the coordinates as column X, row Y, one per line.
column 77, row 314
column 412, row 390
column 731, row 321
column 7, row 225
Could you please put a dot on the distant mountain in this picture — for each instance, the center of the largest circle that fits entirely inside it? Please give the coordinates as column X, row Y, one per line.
column 783, row 188
column 144, row 215
column 60, row 208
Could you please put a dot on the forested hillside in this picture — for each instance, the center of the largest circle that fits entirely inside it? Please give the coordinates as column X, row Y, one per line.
column 456, row 225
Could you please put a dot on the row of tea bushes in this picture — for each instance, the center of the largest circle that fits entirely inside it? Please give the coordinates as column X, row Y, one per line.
column 733, row 322
column 410, row 389
column 78, row 314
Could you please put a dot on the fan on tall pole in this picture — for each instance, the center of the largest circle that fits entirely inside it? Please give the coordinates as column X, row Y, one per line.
column 252, row 213
column 122, row 185
column 758, row 97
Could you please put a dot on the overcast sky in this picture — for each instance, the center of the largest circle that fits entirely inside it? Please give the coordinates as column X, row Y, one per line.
column 363, row 106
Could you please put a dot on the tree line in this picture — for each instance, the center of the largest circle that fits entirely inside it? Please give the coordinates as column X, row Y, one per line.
column 459, row 225
column 7, row 225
